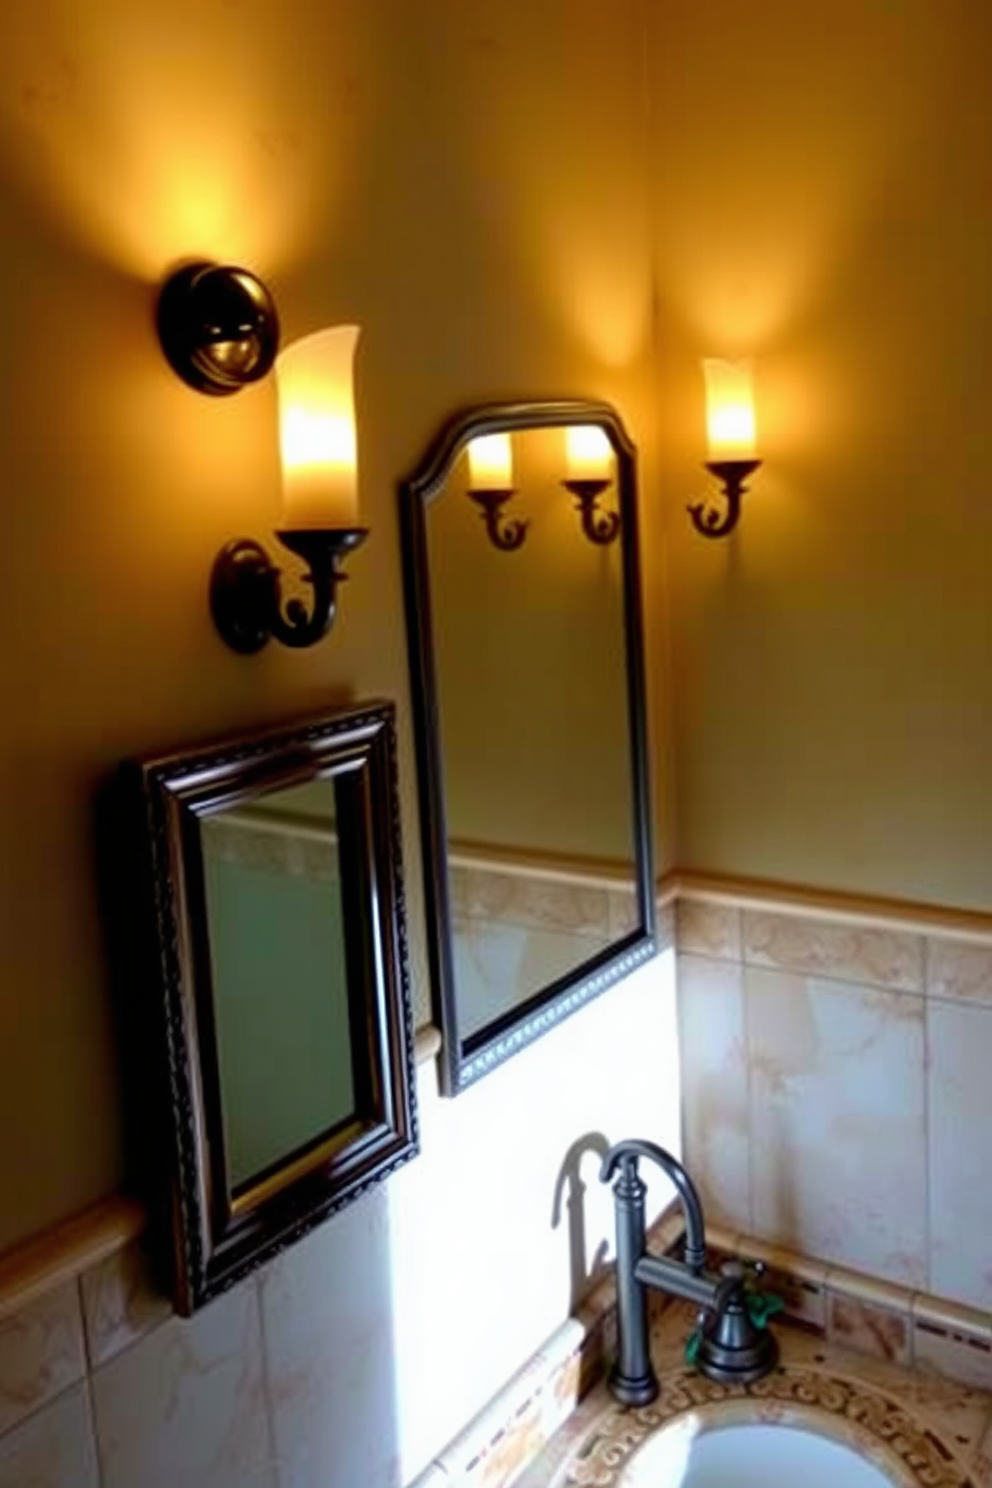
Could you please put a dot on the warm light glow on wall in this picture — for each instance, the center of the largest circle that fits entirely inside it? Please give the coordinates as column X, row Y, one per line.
column 588, row 453
column 490, row 463
column 156, row 131
column 730, row 423
column 317, row 430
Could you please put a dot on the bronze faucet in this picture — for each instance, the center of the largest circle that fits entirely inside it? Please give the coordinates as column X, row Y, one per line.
column 731, row 1344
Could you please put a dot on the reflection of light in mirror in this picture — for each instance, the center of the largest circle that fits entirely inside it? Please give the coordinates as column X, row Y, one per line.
column 317, row 430
column 165, row 131
column 588, row 453
column 729, row 409
column 490, row 462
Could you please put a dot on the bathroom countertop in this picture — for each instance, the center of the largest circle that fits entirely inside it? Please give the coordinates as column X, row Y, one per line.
column 923, row 1430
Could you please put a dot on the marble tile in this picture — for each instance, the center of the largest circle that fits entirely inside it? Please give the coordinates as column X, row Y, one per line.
column 801, row 1283
column 952, row 1341
column 519, row 1423
column 329, row 1353
column 714, row 1087
column 853, row 953
column 919, row 1429
column 433, row 1476
column 548, row 904
column 960, row 970
column 622, row 916
column 120, row 1303
column 54, row 1448
column 186, row 1405
column 837, row 1122
column 982, row 1470
column 948, row 1408
column 41, row 1352
column 665, row 926
column 868, row 1329
column 705, row 929
column 959, row 1058
column 498, row 965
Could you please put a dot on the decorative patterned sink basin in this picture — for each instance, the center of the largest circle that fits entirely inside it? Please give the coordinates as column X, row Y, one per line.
column 750, row 1455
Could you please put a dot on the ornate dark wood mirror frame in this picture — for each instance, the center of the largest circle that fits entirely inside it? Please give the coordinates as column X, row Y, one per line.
column 466, row 1056
column 223, row 1228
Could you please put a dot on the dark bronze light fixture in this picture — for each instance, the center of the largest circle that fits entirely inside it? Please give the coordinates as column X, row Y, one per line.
column 219, row 330
column 490, row 463
column 730, row 427
column 246, row 598
column 218, row 327
column 732, row 475
column 589, row 461
column 320, row 503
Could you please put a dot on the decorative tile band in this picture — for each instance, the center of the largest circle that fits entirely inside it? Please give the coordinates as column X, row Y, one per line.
column 870, row 1316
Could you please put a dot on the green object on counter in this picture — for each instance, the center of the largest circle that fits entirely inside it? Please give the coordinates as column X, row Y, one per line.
column 763, row 1305
column 692, row 1346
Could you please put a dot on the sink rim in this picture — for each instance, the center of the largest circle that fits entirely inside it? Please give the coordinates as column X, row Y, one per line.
column 808, row 1419
column 855, row 1412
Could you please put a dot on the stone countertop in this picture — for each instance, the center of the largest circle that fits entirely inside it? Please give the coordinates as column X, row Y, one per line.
column 921, row 1429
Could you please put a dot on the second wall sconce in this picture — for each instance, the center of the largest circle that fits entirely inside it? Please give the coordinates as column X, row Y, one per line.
column 490, row 485
column 730, row 427
column 218, row 338
column 589, row 462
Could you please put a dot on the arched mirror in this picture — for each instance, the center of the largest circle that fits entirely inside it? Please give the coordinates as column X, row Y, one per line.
column 524, row 621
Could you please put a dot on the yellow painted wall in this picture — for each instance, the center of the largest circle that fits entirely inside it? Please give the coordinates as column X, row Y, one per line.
column 464, row 180
column 822, row 201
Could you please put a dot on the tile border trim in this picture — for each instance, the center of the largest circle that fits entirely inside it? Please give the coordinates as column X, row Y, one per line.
column 516, row 1422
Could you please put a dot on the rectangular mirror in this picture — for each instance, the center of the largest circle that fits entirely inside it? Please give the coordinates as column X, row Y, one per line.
column 280, row 942
column 523, row 605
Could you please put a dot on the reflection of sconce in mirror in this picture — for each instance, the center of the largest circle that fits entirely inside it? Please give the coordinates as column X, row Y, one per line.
column 490, row 476
column 589, row 462
column 218, row 327
column 219, row 330
column 730, row 429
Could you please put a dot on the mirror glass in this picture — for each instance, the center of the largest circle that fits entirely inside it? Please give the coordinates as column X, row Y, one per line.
column 272, row 882
column 275, row 918
column 521, row 553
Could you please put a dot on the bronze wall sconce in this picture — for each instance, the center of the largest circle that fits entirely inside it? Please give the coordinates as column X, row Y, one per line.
column 218, row 327
column 246, row 599
column 731, row 436
column 219, row 330
column 732, row 475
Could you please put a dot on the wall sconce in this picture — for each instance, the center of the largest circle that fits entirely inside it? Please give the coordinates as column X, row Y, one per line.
column 320, row 503
column 218, row 327
column 490, row 474
column 589, row 462
column 730, row 429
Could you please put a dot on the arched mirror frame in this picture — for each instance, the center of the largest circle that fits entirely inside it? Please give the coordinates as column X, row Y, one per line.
column 465, row 1060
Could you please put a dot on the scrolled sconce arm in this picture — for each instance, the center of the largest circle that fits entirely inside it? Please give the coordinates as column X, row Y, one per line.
column 505, row 535
column 599, row 527
column 732, row 475
column 246, row 598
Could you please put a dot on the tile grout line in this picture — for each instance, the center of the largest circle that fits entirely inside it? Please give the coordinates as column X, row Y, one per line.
column 928, row 1225
column 748, row 1084
column 270, row 1423
column 98, row 1453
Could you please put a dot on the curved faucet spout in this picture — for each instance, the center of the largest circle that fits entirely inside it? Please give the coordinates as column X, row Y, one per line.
column 625, row 1155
